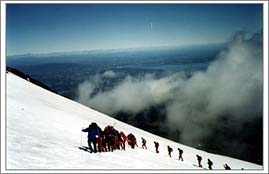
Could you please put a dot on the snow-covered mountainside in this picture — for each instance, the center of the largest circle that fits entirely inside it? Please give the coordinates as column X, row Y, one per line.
column 44, row 132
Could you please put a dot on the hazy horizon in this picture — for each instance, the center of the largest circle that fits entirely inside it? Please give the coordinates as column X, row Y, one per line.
column 122, row 48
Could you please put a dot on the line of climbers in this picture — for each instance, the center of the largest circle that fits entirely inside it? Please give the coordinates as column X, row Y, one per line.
column 111, row 139
column 107, row 140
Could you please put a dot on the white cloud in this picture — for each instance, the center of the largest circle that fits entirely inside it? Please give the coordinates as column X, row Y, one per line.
column 231, row 87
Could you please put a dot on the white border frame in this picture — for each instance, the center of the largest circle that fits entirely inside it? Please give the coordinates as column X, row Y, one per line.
column 3, row 86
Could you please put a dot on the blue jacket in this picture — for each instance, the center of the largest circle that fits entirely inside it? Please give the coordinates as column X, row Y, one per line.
column 92, row 133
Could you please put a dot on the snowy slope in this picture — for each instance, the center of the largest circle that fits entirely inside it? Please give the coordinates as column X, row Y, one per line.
column 44, row 131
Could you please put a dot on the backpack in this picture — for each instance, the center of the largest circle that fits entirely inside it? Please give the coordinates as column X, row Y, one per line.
column 143, row 141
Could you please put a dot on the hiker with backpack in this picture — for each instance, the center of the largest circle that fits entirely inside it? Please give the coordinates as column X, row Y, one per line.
column 170, row 150
column 143, row 143
column 131, row 140
column 93, row 133
column 180, row 151
column 199, row 158
column 210, row 163
column 156, row 144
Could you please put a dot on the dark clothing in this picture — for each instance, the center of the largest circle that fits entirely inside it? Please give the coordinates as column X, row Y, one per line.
column 226, row 167
column 144, row 143
column 156, row 146
column 180, row 151
column 169, row 150
column 93, row 132
column 131, row 140
column 90, row 146
column 210, row 163
column 199, row 158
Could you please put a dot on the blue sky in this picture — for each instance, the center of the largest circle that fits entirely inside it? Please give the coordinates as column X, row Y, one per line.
column 45, row 28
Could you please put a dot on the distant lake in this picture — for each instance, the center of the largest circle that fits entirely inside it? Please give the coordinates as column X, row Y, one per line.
column 63, row 72
column 170, row 67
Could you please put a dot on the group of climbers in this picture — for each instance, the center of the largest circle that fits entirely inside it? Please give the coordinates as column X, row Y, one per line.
column 103, row 141
column 111, row 139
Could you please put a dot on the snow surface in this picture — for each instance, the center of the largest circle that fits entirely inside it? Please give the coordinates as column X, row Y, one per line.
column 44, row 132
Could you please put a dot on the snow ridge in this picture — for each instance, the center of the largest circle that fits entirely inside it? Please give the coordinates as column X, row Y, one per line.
column 44, row 132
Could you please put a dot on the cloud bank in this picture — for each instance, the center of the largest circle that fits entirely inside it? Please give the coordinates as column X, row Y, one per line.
column 228, row 94
column 231, row 88
column 132, row 94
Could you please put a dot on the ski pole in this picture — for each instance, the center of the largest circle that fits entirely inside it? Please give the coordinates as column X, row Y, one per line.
column 81, row 136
